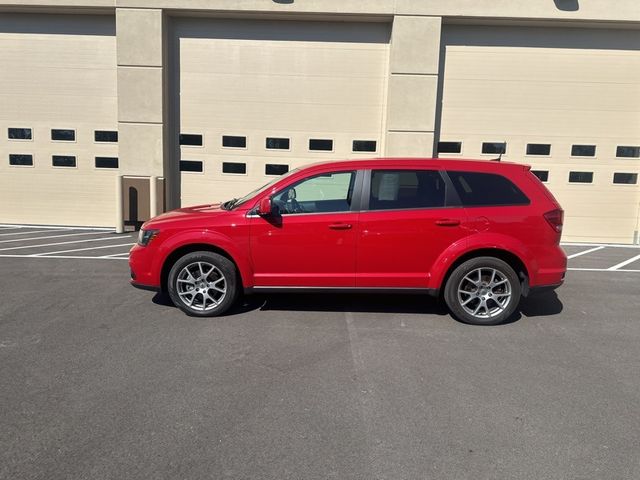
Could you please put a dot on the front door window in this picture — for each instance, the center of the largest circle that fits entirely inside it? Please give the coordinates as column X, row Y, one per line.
column 325, row 193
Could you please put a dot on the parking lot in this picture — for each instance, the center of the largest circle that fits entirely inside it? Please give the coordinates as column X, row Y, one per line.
column 64, row 242
column 99, row 380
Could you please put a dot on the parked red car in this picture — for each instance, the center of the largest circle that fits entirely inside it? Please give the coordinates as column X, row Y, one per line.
column 480, row 233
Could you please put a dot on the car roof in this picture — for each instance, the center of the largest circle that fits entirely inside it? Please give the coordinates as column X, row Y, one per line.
column 402, row 162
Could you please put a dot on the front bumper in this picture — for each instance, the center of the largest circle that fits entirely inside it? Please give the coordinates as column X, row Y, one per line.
column 141, row 265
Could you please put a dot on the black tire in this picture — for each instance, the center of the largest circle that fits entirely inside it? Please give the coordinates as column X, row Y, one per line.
column 473, row 286
column 208, row 300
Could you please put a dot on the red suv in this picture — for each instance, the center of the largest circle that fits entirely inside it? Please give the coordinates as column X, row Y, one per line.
column 480, row 233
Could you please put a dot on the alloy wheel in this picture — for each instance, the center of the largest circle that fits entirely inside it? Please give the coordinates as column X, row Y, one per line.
column 484, row 292
column 201, row 286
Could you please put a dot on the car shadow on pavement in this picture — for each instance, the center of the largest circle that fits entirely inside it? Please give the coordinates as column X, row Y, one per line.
column 546, row 304
column 541, row 305
column 353, row 302
column 327, row 302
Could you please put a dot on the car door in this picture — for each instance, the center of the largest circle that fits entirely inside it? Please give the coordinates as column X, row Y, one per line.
column 404, row 226
column 310, row 239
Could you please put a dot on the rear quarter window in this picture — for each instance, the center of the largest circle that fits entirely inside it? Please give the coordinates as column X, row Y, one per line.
column 486, row 189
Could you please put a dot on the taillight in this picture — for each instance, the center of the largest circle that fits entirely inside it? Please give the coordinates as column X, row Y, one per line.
column 555, row 219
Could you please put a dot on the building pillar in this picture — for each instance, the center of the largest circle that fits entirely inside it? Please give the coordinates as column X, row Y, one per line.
column 142, row 98
column 153, row 196
column 412, row 86
column 119, row 205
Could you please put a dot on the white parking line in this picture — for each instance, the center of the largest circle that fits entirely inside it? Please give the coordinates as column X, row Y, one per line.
column 61, row 243
column 57, row 227
column 50, row 236
column 595, row 249
column 116, row 254
column 625, row 263
column 65, row 256
column 612, row 245
column 27, row 233
column 81, row 250
column 601, row 270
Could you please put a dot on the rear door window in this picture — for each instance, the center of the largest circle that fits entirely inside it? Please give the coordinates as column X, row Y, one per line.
column 404, row 189
column 486, row 189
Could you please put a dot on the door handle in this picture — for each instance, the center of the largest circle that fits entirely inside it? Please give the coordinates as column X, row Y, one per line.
column 447, row 222
column 340, row 226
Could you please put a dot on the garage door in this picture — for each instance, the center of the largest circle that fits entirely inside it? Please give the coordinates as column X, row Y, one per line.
column 566, row 101
column 57, row 89
column 260, row 97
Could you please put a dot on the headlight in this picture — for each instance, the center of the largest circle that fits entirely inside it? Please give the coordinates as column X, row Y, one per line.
column 145, row 236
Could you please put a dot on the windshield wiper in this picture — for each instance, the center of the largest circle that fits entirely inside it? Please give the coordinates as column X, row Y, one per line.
column 228, row 205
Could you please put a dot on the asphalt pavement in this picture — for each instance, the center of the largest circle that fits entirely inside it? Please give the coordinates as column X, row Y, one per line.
column 99, row 380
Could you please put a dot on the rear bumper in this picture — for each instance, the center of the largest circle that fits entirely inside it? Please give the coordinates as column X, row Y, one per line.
column 540, row 289
column 149, row 288
column 551, row 268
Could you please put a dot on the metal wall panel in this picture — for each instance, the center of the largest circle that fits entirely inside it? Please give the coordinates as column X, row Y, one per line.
column 283, row 79
column 58, row 72
column 551, row 86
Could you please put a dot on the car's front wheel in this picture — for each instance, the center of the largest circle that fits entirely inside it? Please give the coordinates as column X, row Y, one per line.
column 203, row 284
column 483, row 291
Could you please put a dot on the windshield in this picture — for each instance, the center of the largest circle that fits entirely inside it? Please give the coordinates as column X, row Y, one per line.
column 239, row 201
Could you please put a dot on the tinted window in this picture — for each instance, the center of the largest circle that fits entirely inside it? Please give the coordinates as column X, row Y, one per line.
column 275, row 169
column 477, row 189
column 538, row 149
column 106, row 162
column 105, row 136
column 625, row 178
column 191, row 139
column 234, row 142
column 543, row 175
column 628, row 152
column 20, row 134
column 449, row 147
column 319, row 144
column 583, row 150
column 231, row 167
column 397, row 189
column 277, row 143
column 331, row 192
column 494, row 148
column 63, row 135
column 190, row 166
column 581, row 177
column 21, row 160
column 63, row 161
column 364, row 146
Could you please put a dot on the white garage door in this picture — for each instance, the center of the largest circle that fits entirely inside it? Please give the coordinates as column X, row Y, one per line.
column 58, row 73
column 260, row 97
column 566, row 101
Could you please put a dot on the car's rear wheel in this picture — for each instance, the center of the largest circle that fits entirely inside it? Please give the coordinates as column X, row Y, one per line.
column 483, row 291
column 203, row 284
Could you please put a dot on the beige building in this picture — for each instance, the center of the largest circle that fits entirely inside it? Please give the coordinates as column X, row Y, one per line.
column 113, row 110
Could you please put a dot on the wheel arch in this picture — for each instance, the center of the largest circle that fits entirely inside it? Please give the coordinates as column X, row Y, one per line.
column 513, row 260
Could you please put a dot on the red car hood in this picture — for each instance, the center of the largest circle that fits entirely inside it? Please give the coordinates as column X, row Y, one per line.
column 180, row 213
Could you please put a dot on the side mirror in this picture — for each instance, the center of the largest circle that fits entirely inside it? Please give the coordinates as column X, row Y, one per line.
column 264, row 207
